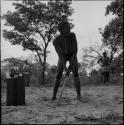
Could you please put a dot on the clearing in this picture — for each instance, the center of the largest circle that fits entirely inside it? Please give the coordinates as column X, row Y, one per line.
column 102, row 104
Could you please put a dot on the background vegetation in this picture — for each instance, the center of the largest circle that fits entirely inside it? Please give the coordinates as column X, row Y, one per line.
column 27, row 17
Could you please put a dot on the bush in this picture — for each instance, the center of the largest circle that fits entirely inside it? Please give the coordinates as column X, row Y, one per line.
column 93, row 79
column 3, row 82
column 116, row 79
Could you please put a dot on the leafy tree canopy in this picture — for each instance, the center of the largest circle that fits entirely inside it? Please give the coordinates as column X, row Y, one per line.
column 34, row 18
column 113, row 32
column 35, row 23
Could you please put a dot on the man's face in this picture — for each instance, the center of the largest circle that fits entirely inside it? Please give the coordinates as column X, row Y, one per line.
column 104, row 55
column 65, row 30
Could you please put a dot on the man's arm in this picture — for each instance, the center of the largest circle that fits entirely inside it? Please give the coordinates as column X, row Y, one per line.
column 110, row 60
column 29, row 70
column 75, row 49
column 59, row 52
column 99, row 61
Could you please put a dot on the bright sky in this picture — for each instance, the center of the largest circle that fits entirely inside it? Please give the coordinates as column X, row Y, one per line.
column 88, row 17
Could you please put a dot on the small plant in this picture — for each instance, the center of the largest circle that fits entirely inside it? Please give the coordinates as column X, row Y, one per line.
column 65, row 119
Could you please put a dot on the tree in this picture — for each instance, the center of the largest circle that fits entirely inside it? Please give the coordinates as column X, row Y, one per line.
column 112, row 38
column 13, row 62
column 113, row 32
column 34, row 25
column 91, row 55
column 53, row 69
column 117, row 64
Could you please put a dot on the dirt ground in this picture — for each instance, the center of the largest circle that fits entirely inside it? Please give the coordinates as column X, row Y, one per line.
column 103, row 104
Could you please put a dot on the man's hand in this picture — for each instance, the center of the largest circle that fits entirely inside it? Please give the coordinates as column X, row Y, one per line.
column 68, row 71
column 72, row 61
column 63, row 62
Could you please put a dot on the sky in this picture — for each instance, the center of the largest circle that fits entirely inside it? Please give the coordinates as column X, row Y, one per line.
column 88, row 17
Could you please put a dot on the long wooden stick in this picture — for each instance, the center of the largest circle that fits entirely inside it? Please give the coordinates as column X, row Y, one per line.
column 62, row 90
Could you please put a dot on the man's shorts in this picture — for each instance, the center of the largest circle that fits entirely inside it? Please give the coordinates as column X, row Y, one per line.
column 67, row 57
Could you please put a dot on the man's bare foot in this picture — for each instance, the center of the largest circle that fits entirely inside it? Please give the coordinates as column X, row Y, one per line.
column 53, row 98
column 79, row 98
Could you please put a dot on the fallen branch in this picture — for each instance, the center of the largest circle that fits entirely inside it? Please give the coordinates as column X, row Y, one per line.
column 106, row 119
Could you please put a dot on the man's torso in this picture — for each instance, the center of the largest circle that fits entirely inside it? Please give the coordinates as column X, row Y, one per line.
column 26, row 69
column 65, row 43
column 105, row 64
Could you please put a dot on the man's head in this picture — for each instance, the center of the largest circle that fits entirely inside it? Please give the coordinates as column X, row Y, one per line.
column 104, row 54
column 26, row 62
column 64, row 28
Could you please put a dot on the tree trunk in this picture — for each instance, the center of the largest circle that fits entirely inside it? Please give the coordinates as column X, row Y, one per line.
column 44, row 67
column 39, row 58
column 41, row 63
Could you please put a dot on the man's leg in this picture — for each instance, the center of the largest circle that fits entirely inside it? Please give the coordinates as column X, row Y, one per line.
column 58, row 79
column 28, row 80
column 76, row 78
column 78, row 87
column 25, row 80
column 107, row 77
column 104, row 77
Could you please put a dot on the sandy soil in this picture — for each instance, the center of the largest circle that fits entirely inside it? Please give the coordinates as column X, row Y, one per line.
column 102, row 104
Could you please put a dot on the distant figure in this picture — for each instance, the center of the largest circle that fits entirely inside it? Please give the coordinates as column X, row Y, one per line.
column 66, row 47
column 105, row 63
column 13, row 72
column 26, row 73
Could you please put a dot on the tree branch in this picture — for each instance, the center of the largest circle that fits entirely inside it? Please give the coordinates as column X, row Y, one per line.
column 36, row 51
column 41, row 35
column 95, row 51
column 92, row 56
column 39, row 57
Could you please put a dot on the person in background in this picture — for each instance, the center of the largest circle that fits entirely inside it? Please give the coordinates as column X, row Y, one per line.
column 104, row 61
column 12, row 72
column 26, row 73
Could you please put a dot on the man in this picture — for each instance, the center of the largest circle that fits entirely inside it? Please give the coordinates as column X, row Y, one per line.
column 66, row 47
column 105, row 63
column 26, row 73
